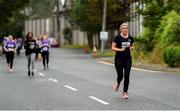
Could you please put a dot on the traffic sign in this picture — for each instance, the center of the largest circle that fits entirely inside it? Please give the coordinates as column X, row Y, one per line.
column 103, row 35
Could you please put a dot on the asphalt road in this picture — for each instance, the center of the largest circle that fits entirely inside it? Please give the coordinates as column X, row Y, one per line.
column 75, row 81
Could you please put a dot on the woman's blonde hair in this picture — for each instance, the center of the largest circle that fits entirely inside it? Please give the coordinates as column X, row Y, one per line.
column 45, row 37
column 123, row 24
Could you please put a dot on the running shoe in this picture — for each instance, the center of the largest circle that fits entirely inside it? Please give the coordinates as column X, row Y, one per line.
column 10, row 70
column 44, row 67
column 116, row 86
column 125, row 95
column 32, row 73
column 29, row 73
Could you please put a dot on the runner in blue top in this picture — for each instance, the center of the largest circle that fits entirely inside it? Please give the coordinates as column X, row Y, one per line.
column 10, row 48
column 45, row 45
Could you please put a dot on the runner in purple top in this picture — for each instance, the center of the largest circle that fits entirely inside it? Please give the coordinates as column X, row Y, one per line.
column 45, row 45
column 10, row 48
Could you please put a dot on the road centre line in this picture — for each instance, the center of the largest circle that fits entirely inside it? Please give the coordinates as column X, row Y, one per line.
column 71, row 88
column 41, row 74
column 99, row 100
column 51, row 79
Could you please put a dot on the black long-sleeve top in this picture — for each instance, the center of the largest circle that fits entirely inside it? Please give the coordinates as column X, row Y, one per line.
column 30, row 46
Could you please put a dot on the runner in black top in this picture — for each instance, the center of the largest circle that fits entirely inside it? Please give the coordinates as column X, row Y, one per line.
column 30, row 47
column 122, row 44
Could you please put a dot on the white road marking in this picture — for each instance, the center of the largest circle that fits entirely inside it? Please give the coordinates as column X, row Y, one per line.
column 41, row 74
column 99, row 100
column 71, row 88
column 106, row 63
column 41, row 80
column 51, row 79
column 138, row 69
column 132, row 67
column 35, row 70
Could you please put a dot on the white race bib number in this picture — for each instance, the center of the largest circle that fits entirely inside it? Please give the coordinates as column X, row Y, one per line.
column 31, row 46
column 125, row 44
column 45, row 49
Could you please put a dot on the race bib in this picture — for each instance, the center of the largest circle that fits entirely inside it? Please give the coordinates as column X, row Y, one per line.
column 10, row 45
column 45, row 44
column 32, row 46
column 45, row 48
column 125, row 44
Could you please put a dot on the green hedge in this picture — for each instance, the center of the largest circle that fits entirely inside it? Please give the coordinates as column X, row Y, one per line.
column 146, row 40
column 171, row 56
column 168, row 31
column 67, row 34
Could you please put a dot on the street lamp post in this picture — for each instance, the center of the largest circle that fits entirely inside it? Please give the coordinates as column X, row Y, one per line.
column 103, row 26
column 58, row 23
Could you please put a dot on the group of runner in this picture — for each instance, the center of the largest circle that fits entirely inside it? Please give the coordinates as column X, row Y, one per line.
column 122, row 44
column 35, row 50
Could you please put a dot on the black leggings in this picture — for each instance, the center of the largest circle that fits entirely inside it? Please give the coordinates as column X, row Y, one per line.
column 45, row 56
column 10, row 58
column 123, row 67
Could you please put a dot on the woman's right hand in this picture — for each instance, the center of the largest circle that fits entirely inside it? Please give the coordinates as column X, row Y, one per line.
column 114, row 48
column 6, row 50
column 122, row 49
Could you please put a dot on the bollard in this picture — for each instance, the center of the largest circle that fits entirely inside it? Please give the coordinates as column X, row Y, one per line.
column 94, row 51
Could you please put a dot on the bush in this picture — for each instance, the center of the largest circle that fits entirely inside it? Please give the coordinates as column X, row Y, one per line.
column 146, row 40
column 68, row 34
column 168, row 31
column 72, row 46
column 171, row 56
column 156, row 56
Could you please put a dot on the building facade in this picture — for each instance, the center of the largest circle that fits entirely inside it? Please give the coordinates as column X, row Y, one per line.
column 136, row 20
column 49, row 26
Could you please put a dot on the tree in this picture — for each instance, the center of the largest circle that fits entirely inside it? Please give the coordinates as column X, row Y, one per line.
column 11, row 16
column 83, row 16
column 161, row 30
column 68, row 34
column 87, row 14
column 153, row 12
column 15, row 25
column 41, row 8
column 8, row 8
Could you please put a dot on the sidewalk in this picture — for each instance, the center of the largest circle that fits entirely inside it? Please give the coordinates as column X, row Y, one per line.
column 146, row 66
